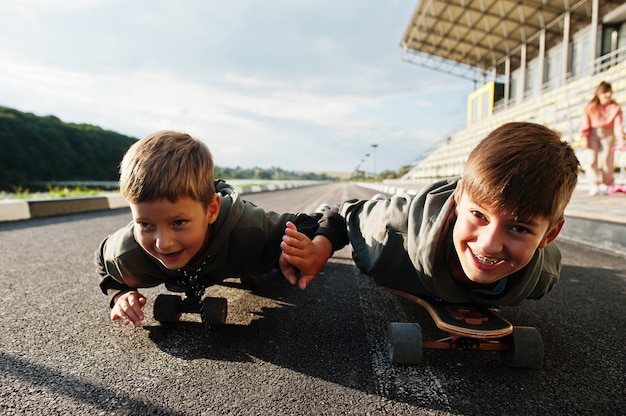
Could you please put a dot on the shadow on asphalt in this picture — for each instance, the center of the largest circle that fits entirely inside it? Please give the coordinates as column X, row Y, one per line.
column 322, row 333
column 72, row 387
column 319, row 331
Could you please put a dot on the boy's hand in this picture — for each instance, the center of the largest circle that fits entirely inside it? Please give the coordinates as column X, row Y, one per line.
column 127, row 308
column 303, row 254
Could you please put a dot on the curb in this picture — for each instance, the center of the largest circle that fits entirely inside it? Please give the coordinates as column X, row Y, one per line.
column 17, row 210
column 12, row 210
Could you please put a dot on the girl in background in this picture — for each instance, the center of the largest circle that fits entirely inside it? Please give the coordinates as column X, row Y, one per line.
column 601, row 128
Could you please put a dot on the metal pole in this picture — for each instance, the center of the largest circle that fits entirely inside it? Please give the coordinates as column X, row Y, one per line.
column 374, row 159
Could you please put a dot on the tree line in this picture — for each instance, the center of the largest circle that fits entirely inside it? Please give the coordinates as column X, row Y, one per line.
column 36, row 149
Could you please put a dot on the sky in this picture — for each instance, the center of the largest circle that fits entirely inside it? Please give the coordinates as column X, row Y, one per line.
column 298, row 84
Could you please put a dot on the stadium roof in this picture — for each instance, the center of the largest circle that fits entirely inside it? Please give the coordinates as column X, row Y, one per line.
column 471, row 37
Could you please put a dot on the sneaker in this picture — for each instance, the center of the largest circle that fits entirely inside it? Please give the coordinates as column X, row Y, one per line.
column 618, row 188
column 604, row 190
column 594, row 190
column 322, row 208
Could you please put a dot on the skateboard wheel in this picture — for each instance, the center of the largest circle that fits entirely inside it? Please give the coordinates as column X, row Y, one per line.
column 526, row 348
column 214, row 310
column 167, row 308
column 405, row 343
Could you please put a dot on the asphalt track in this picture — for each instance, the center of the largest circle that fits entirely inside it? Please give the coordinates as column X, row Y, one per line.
column 286, row 351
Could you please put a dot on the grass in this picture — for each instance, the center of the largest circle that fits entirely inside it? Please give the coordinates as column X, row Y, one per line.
column 50, row 192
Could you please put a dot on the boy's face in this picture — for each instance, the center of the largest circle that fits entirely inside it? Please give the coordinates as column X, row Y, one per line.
column 173, row 232
column 491, row 246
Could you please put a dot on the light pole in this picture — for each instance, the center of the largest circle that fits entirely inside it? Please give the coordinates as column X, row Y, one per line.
column 365, row 167
column 374, row 159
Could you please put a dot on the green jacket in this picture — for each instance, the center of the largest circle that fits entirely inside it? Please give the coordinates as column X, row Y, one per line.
column 403, row 243
column 245, row 241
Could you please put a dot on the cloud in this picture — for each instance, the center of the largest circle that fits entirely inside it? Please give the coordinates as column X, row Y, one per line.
column 277, row 83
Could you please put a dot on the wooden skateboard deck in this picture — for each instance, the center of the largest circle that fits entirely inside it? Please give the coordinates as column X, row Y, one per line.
column 459, row 319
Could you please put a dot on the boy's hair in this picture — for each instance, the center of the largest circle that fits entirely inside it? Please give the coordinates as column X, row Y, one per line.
column 523, row 169
column 167, row 165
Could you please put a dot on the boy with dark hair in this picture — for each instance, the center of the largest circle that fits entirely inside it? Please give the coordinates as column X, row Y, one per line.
column 188, row 226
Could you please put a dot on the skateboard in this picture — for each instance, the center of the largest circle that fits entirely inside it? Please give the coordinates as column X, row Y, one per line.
column 468, row 328
column 168, row 308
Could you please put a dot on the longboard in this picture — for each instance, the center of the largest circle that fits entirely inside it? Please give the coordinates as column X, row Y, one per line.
column 468, row 328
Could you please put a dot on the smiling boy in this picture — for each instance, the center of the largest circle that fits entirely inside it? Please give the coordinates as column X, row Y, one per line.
column 187, row 226
column 486, row 238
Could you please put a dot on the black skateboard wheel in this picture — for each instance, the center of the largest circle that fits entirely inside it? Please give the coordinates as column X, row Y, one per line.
column 214, row 310
column 526, row 348
column 167, row 308
column 405, row 343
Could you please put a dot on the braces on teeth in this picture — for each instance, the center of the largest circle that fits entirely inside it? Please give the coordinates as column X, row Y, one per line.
column 487, row 260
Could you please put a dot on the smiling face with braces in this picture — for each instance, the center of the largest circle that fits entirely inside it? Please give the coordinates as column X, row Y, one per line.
column 491, row 244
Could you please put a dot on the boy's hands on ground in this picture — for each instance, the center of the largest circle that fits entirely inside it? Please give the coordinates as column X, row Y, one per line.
column 127, row 308
column 303, row 254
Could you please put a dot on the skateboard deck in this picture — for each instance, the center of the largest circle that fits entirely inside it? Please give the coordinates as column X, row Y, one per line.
column 460, row 319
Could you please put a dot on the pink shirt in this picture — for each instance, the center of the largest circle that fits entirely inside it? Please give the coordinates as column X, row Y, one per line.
column 605, row 116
